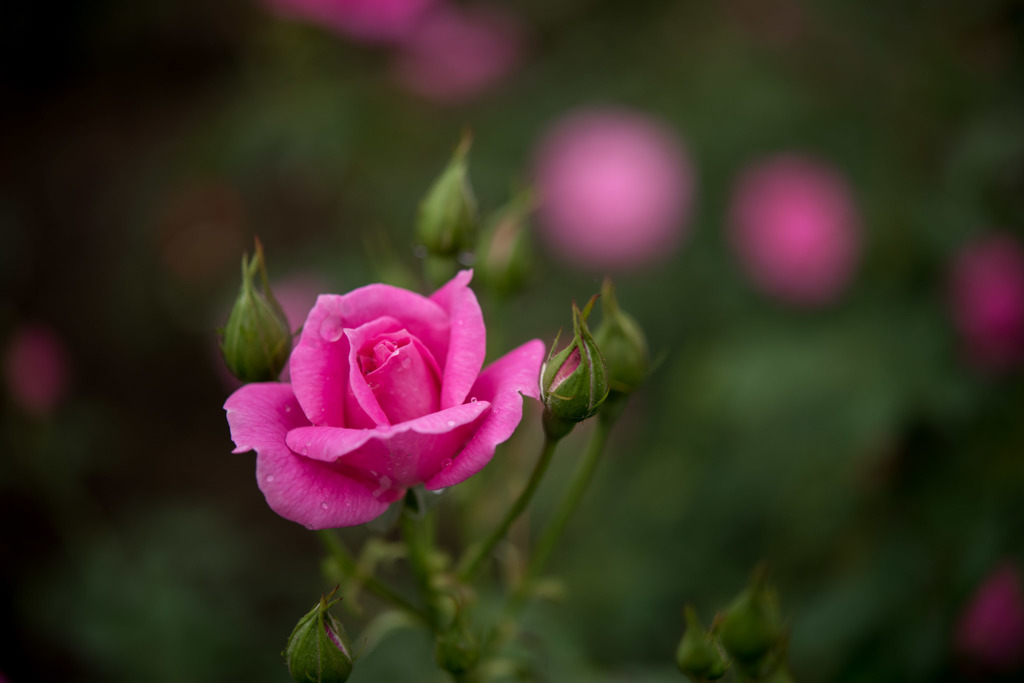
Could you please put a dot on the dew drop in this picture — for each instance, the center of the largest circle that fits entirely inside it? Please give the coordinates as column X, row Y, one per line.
column 447, row 463
column 331, row 329
column 323, row 505
column 287, row 409
column 450, row 423
column 472, row 399
column 269, row 478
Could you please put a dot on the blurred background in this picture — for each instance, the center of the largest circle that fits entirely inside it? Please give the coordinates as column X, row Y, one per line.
column 815, row 209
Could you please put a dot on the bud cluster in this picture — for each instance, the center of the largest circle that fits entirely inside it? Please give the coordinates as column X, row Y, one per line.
column 749, row 634
column 611, row 364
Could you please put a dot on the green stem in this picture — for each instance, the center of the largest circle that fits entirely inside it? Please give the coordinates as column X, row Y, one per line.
column 418, row 534
column 475, row 556
column 348, row 566
column 581, row 481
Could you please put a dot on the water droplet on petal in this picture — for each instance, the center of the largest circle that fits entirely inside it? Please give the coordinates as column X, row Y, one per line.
column 331, row 329
column 324, row 505
column 472, row 399
column 270, row 478
column 450, row 423
column 447, row 463
column 287, row 409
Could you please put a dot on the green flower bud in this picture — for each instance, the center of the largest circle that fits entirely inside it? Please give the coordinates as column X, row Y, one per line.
column 574, row 382
column 447, row 220
column 256, row 341
column 697, row 655
column 318, row 650
column 751, row 627
column 622, row 343
column 455, row 651
column 504, row 259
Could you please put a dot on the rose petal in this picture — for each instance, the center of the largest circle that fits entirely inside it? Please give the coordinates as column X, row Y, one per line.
column 468, row 341
column 407, row 384
column 311, row 493
column 397, row 456
column 360, row 399
column 501, row 383
column 320, row 362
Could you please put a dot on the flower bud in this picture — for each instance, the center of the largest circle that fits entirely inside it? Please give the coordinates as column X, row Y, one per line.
column 256, row 341
column 447, row 221
column 503, row 260
column 623, row 344
column 697, row 655
column 574, row 382
column 751, row 627
column 455, row 651
column 318, row 650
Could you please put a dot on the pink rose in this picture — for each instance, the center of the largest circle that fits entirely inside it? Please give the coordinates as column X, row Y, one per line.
column 372, row 21
column 991, row 631
column 796, row 229
column 386, row 392
column 987, row 298
column 456, row 53
column 615, row 189
column 37, row 369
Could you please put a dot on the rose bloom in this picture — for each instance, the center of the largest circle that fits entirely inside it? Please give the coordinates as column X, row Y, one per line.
column 615, row 188
column 37, row 369
column 456, row 53
column 795, row 229
column 372, row 21
column 987, row 300
column 991, row 631
column 386, row 392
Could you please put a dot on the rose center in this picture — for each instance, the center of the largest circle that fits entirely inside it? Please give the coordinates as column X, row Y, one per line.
column 402, row 374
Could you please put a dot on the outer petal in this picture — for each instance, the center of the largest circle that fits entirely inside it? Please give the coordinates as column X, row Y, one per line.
column 319, row 363
column 398, row 456
column 501, row 383
column 468, row 341
column 297, row 488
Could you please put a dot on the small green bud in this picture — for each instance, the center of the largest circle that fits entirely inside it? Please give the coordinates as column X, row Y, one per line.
column 622, row 343
column 504, row 259
column 574, row 382
column 751, row 627
column 455, row 651
column 256, row 341
column 697, row 655
column 447, row 221
column 318, row 650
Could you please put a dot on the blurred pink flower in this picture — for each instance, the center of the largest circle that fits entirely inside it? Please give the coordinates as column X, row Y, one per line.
column 987, row 297
column 455, row 53
column 796, row 229
column 991, row 630
column 37, row 369
column 615, row 188
column 372, row 21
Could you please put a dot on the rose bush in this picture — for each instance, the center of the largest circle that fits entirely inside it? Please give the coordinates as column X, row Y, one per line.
column 386, row 392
